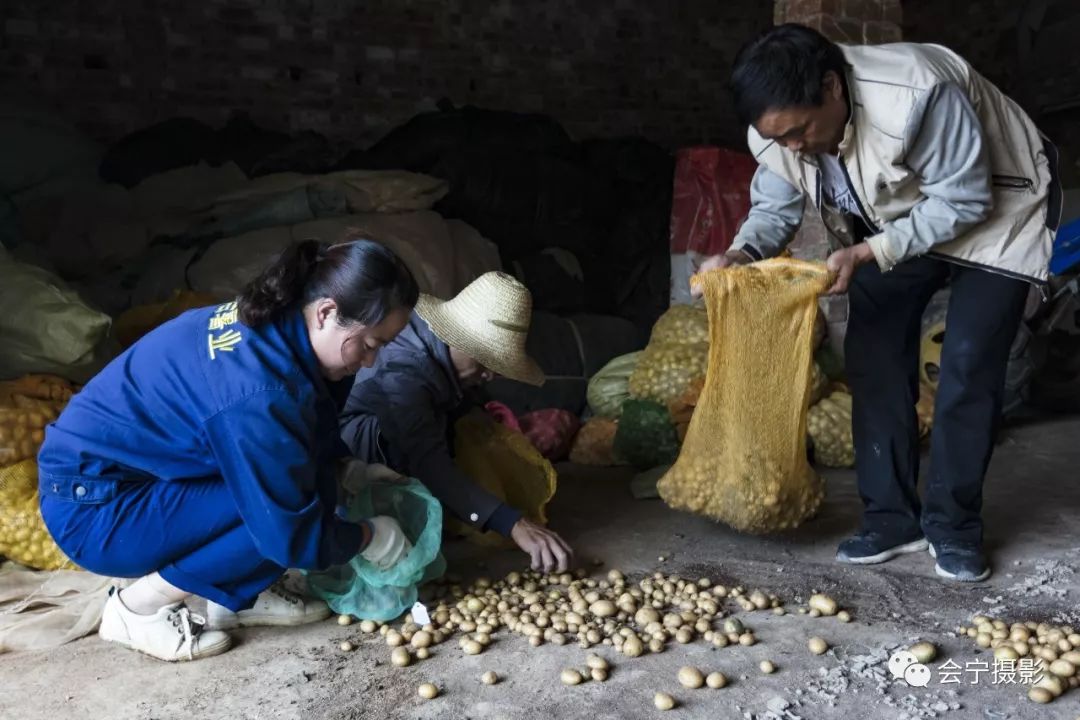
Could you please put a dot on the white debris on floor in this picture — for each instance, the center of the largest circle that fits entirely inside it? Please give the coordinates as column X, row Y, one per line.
column 856, row 674
column 1048, row 581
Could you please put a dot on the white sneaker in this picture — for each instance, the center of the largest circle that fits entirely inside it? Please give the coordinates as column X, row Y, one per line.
column 172, row 633
column 275, row 606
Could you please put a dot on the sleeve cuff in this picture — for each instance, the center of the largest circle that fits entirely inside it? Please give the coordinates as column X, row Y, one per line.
column 879, row 245
column 503, row 520
column 750, row 251
column 344, row 540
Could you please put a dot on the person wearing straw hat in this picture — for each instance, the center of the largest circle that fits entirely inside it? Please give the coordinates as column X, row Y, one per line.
column 400, row 411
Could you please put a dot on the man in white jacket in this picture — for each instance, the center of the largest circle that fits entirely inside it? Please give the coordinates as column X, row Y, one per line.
column 924, row 174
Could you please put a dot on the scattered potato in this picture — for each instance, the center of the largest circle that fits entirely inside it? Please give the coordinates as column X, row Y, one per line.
column 843, row 616
column 346, row 646
column 570, row 676
column 423, row 654
column 489, row 678
column 818, row 646
column 690, row 677
column 1040, row 695
column 595, row 662
column 428, row 691
column 400, row 657
column 924, row 652
column 344, row 620
column 823, row 604
column 716, row 680
column 767, row 667
column 1063, row 668
column 663, row 701
column 633, row 647
column 599, row 674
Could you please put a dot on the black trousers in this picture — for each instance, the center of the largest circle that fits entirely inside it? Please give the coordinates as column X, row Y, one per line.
column 882, row 350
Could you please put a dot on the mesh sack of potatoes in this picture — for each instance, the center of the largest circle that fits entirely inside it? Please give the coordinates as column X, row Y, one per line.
column 744, row 458
column 681, row 324
column 666, row 370
column 595, row 443
column 26, row 407
column 647, row 436
column 505, row 463
column 610, row 388
column 829, row 426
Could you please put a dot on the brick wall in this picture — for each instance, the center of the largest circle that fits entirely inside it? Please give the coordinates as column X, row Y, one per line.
column 846, row 21
column 352, row 69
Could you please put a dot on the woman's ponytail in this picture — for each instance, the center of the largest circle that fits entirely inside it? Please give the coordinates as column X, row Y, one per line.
column 280, row 286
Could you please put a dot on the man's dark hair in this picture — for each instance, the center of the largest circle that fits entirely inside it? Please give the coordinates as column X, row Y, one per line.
column 783, row 68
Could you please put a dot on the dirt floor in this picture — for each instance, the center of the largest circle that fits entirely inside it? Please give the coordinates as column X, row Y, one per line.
column 1032, row 506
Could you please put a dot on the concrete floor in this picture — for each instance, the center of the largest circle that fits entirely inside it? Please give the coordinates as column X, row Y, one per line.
column 1032, row 498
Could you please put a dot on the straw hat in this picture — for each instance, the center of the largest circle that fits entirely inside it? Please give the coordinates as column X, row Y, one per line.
column 488, row 321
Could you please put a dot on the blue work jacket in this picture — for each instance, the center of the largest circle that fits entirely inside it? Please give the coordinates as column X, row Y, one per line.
column 205, row 396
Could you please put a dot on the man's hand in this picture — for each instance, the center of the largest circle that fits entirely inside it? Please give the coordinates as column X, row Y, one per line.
column 548, row 551
column 842, row 263
column 718, row 262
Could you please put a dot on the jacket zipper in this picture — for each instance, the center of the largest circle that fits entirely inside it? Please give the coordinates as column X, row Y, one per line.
column 1013, row 182
column 858, row 202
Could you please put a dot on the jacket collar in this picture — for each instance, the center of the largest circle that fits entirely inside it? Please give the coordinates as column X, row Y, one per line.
column 293, row 330
column 438, row 351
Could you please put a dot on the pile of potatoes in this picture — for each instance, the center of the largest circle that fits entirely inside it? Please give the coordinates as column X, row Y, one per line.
column 630, row 618
column 829, row 426
column 26, row 407
column 1057, row 646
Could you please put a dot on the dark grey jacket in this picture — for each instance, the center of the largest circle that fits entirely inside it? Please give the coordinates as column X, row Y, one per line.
column 401, row 412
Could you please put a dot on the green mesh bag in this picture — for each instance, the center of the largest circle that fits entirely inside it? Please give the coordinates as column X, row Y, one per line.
column 646, row 436
column 362, row 590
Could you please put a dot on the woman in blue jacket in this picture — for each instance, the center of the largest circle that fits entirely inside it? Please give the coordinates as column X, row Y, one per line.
column 203, row 460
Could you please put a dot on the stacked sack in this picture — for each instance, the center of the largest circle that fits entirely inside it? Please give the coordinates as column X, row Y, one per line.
column 664, row 387
column 664, row 382
column 608, row 391
column 829, row 425
column 26, row 407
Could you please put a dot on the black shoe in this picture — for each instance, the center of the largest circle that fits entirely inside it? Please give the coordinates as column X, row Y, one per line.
column 963, row 562
column 870, row 548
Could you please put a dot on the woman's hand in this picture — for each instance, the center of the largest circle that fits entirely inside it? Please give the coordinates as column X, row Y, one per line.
column 718, row 262
column 843, row 263
column 548, row 551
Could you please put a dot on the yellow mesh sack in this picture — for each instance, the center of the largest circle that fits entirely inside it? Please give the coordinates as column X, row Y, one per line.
column 744, row 458
column 505, row 463
column 27, row 405
column 23, row 535
column 594, row 443
column 681, row 324
column 675, row 358
column 666, row 370
column 829, row 426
